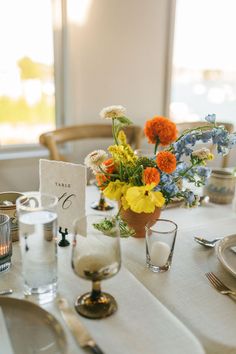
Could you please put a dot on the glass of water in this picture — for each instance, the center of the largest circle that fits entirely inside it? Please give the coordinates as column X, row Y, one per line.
column 38, row 242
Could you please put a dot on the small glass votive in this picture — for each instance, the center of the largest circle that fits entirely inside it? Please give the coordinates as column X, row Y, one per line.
column 160, row 242
column 5, row 243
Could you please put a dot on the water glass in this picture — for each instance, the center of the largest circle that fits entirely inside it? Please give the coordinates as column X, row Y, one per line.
column 160, row 242
column 38, row 242
column 5, row 243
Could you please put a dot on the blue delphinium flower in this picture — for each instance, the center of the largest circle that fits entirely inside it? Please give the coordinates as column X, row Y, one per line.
column 166, row 178
column 182, row 166
column 203, row 171
column 191, row 198
column 231, row 140
column 211, row 118
column 170, row 188
column 190, row 139
column 206, row 136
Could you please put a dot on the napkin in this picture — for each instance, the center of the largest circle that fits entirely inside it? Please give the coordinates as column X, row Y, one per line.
column 5, row 341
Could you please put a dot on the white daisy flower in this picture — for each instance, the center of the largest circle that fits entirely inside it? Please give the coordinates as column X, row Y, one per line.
column 112, row 112
column 201, row 154
column 95, row 159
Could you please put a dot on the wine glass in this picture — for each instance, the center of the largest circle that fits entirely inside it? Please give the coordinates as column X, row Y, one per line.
column 96, row 256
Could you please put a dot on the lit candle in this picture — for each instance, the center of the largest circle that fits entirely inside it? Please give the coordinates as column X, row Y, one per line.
column 159, row 254
column 4, row 249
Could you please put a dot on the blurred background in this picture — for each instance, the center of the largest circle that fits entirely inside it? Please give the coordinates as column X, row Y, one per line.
column 62, row 61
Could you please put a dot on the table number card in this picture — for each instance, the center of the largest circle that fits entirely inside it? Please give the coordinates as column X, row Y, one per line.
column 67, row 181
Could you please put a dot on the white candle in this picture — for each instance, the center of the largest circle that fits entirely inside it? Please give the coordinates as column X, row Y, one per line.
column 92, row 263
column 159, row 254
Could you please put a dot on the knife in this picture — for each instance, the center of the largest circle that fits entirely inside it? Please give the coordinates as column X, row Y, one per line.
column 79, row 331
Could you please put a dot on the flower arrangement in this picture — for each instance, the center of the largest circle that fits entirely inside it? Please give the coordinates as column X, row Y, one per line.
column 141, row 183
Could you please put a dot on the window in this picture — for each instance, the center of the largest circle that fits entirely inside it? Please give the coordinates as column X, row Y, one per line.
column 204, row 61
column 27, row 90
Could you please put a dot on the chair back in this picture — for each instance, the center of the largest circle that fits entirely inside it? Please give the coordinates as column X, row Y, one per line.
column 52, row 140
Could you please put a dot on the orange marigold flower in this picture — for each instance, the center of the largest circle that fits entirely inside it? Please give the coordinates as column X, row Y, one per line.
column 151, row 175
column 101, row 179
column 162, row 129
column 166, row 161
column 109, row 166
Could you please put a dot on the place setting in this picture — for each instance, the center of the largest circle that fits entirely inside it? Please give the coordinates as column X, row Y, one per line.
column 221, row 260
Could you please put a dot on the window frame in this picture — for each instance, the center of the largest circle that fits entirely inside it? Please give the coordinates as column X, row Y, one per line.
column 169, row 56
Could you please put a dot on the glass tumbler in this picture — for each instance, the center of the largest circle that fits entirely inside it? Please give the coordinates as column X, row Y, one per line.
column 38, row 242
column 5, row 243
column 160, row 242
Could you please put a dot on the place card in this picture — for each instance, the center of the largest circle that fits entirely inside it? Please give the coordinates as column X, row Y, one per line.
column 67, row 181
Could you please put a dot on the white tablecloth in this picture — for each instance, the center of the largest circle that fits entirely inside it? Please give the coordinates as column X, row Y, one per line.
column 141, row 324
column 185, row 290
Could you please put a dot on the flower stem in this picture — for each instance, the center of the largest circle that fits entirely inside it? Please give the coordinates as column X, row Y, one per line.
column 183, row 174
column 114, row 131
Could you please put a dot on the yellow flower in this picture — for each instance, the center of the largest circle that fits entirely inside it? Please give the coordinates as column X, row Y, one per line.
column 143, row 199
column 122, row 137
column 114, row 190
column 211, row 157
column 123, row 154
column 124, row 202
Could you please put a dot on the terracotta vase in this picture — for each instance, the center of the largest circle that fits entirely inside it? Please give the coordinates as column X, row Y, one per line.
column 137, row 221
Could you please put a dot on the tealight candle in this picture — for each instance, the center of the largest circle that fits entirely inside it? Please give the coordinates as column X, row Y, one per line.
column 159, row 254
column 4, row 249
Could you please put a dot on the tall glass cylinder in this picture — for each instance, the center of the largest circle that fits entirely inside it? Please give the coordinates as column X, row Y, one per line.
column 38, row 241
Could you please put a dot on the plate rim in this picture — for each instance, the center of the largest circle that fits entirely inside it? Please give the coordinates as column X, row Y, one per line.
column 219, row 252
column 12, row 300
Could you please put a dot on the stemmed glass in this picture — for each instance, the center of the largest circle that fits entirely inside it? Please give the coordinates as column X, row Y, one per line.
column 96, row 256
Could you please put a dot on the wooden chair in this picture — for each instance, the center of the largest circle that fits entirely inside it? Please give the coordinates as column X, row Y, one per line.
column 191, row 125
column 53, row 139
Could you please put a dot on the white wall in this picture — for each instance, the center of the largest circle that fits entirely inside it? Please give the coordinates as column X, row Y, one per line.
column 118, row 56
column 19, row 175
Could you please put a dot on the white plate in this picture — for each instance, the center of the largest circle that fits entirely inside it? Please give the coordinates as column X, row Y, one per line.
column 225, row 255
column 32, row 329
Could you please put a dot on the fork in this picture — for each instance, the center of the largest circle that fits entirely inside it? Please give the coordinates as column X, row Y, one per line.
column 218, row 285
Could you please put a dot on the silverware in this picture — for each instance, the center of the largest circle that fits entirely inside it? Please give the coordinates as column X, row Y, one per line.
column 211, row 243
column 205, row 242
column 79, row 331
column 218, row 285
column 6, row 292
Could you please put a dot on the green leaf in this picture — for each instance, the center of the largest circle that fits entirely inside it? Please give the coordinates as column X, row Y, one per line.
column 124, row 120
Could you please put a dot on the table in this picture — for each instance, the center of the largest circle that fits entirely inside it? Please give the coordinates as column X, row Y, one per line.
column 141, row 324
column 184, row 290
column 172, row 312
